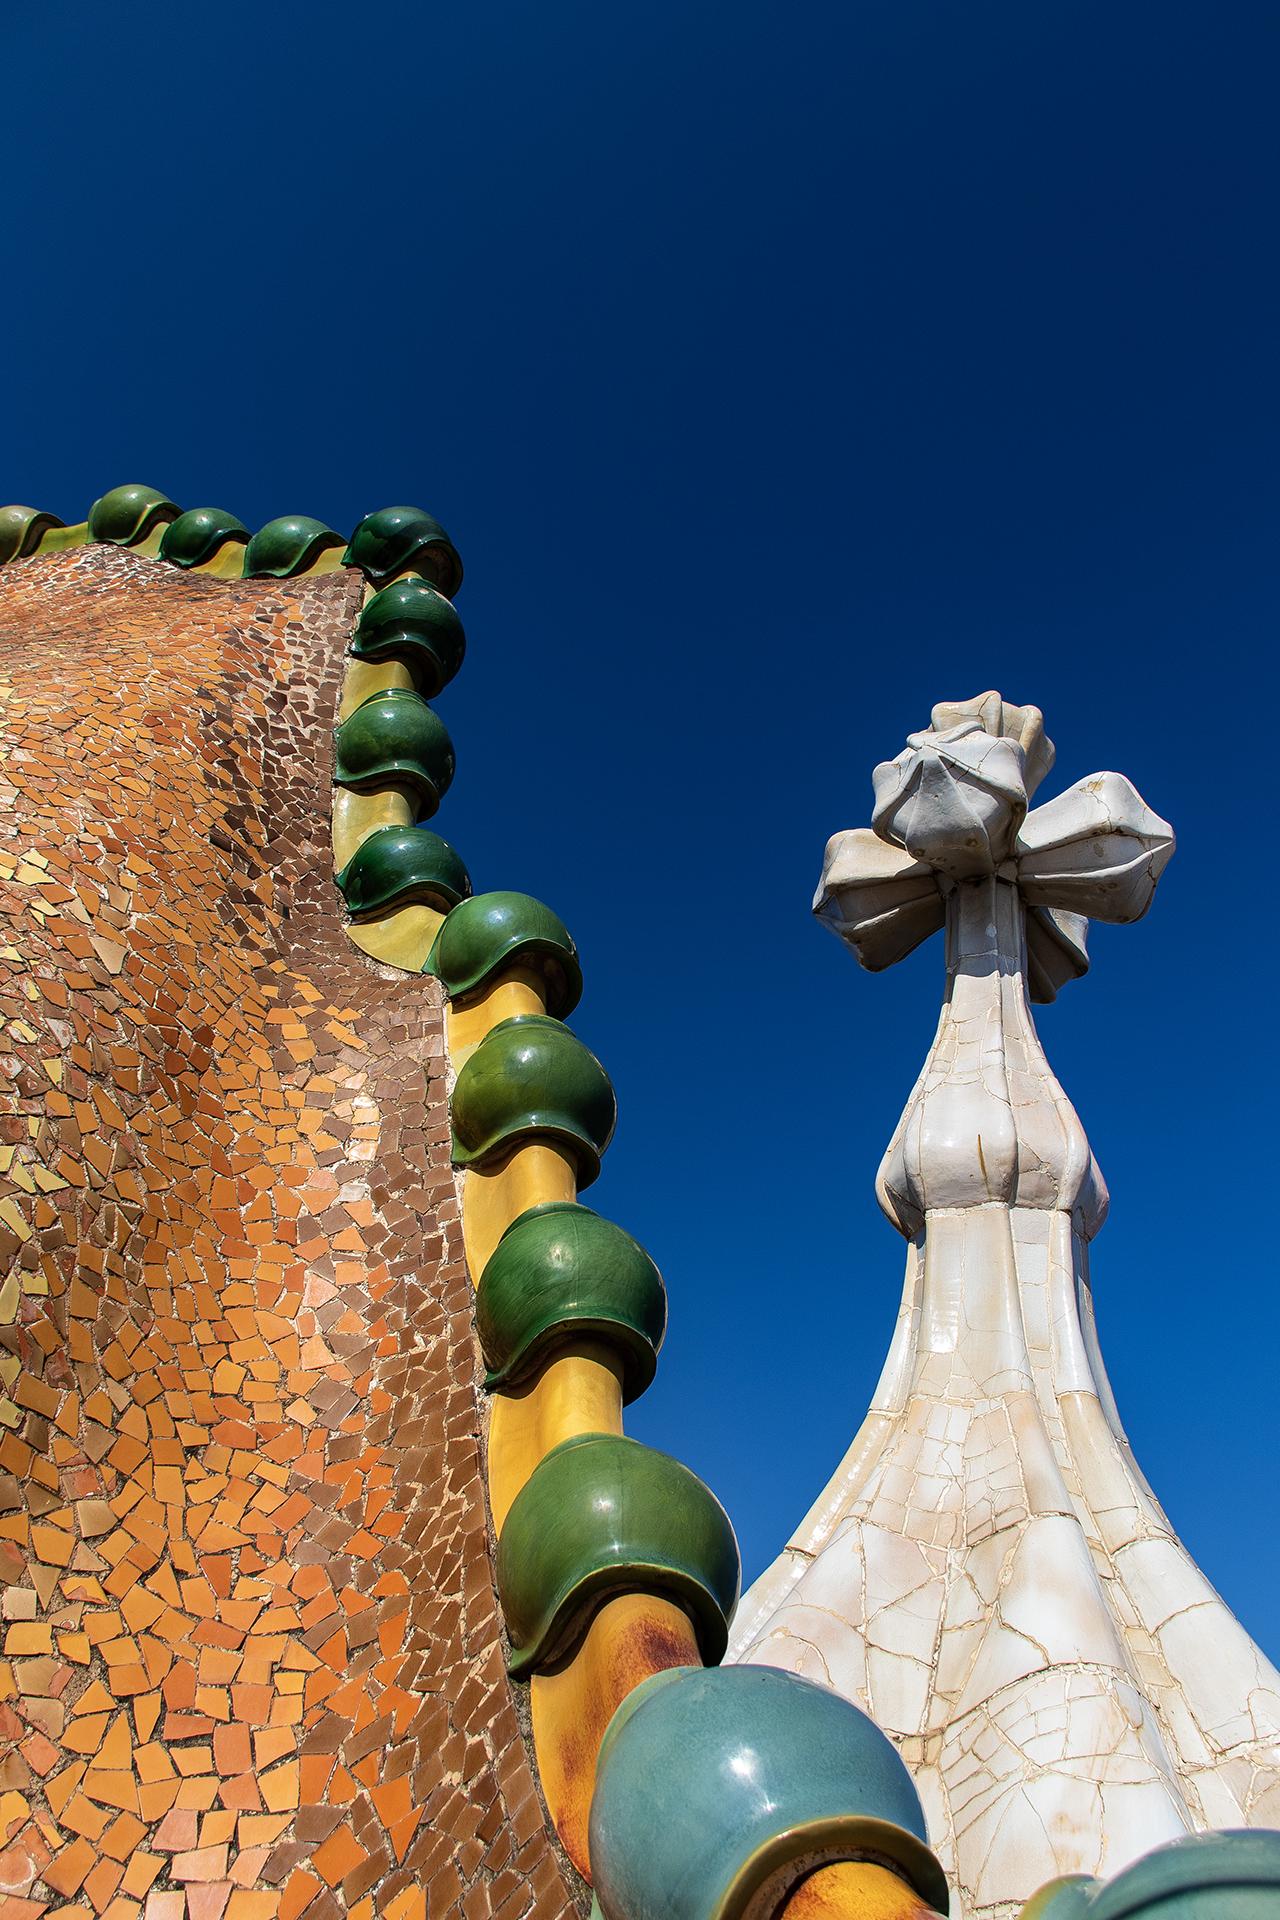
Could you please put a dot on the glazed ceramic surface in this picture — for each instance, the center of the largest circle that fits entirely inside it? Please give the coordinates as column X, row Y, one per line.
column 531, row 1078
column 561, row 1273
column 196, row 535
column 21, row 529
column 397, row 864
column 412, row 621
column 126, row 515
column 715, row 1784
column 495, row 930
column 394, row 539
column 395, row 737
column 988, row 1573
column 603, row 1515
column 1206, row 1876
column 287, row 546
column 278, row 1485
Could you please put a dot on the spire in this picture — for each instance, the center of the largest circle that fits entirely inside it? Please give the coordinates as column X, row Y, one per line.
column 988, row 1573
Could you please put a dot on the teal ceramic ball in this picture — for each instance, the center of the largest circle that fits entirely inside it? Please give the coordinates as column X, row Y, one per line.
column 712, row 1782
column 1207, row 1876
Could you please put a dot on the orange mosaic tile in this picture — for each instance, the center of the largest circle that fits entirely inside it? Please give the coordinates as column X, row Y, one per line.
column 250, row 1661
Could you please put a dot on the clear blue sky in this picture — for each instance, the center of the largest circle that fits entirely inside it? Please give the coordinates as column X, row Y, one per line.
column 779, row 370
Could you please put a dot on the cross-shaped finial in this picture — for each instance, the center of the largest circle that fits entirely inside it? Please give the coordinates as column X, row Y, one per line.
column 953, row 806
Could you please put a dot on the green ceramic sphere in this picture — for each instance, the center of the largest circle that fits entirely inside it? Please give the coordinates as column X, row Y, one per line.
column 1065, row 1899
column 393, row 738
column 21, row 529
column 494, row 930
column 411, row 621
column 562, row 1273
column 710, row 1783
column 602, row 1515
column 127, row 515
column 398, row 864
column 397, row 538
column 287, row 546
column 532, row 1079
column 1206, row 1876
column 195, row 536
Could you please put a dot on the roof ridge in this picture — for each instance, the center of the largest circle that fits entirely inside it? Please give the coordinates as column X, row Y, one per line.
column 386, row 543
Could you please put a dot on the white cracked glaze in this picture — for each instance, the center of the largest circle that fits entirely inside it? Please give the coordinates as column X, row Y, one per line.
column 987, row 1573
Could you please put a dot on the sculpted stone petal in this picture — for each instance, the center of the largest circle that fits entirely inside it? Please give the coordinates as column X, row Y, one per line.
column 1056, row 950
column 1025, row 725
column 1098, row 849
column 954, row 799
column 877, row 898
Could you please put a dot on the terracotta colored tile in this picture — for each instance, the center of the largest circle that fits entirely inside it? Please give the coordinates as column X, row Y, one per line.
column 411, row 1904
column 101, row 1882
column 401, row 1832
column 176, row 1833
column 179, row 1686
column 300, row 1890
column 122, row 1837
column 247, row 1866
column 155, row 1801
column 270, row 1743
column 51, row 1544
column 146, row 1714
column 116, row 1748
column 339, row 1855
column 66, row 1871
column 232, row 1749
column 112, row 1789
column 259, row 1904
column 392, row 1799
column 27, row 1637
column 251, row 1703
column 208, row 1902
column 202, row 1864
column 200, row 1792
column 40, row 1753
column 279, row 1787
column 94, row 1699
column 82, row 1816
column 240, row 1793
column 141, row 1870
column 153, row 1762
column 62, row 1786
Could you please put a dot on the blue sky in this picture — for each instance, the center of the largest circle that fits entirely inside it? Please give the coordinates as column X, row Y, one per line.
column 779, row 371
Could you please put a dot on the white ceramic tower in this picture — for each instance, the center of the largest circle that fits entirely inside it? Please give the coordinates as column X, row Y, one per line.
column 988, row 1573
